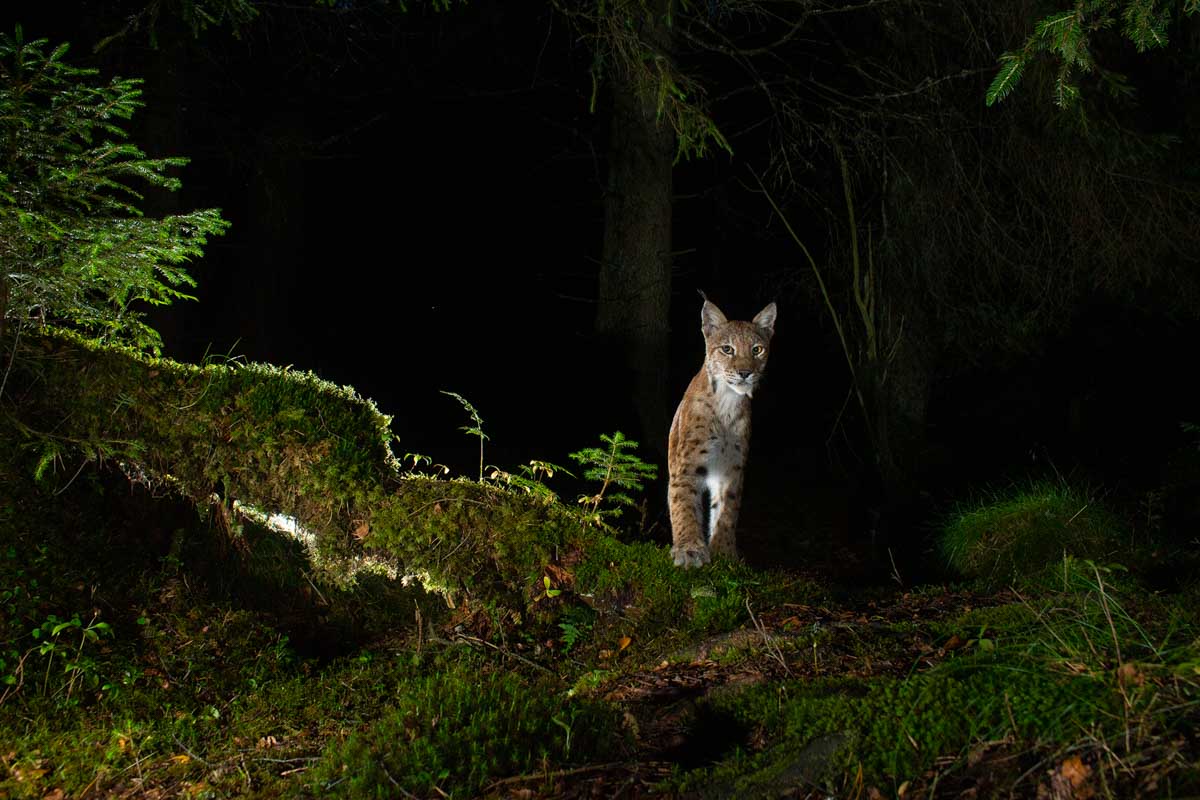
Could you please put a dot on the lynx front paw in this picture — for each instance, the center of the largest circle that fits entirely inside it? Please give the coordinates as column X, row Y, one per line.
column 690, row 555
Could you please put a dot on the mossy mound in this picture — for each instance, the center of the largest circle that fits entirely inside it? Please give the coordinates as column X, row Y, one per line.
column 1015, row 536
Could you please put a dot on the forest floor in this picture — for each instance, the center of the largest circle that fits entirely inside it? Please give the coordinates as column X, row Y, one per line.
column 147, row 653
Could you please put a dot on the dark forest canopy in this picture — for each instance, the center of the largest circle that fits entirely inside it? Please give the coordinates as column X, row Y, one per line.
column 432, row 181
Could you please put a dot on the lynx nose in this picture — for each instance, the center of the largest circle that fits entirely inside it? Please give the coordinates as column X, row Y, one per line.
column 745, row 373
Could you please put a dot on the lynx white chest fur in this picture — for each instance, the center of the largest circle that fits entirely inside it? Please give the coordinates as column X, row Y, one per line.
column 710, row 436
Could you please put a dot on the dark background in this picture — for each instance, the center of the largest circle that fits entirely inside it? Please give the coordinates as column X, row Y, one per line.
column 416, row 206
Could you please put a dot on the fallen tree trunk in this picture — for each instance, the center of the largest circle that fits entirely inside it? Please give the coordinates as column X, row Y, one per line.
column 280, row 443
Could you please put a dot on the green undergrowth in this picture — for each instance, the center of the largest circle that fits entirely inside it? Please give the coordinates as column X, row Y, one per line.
column 449, row 721
column 1092, row 619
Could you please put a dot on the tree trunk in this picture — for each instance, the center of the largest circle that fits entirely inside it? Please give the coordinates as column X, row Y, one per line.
column 897, row 400
column 635, row 271
column 277, row 233
column 900, row 402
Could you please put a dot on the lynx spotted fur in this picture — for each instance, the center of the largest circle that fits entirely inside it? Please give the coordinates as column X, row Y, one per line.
column 710, row 436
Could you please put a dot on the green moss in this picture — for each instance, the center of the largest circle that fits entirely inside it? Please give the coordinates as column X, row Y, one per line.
column 895, row 729
column 282, row 441
column 272, row 438
column 1007, row 618
column 461, row 727
column 472, row 539
column 639, row 580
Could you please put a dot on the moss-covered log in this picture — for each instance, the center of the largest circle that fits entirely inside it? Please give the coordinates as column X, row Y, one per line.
column 279, row 441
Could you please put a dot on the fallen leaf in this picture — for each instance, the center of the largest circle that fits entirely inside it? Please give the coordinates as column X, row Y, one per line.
column 624, row 641
column 561, row 576
column 1074, row 770
column 1129, row 675
column 182, row 758
column 1069, row 780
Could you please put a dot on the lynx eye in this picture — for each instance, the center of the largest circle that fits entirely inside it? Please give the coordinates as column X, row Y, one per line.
column 759, row 350
column 727, row 349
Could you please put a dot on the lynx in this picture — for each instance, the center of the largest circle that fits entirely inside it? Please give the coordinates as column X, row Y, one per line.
column 710, row 436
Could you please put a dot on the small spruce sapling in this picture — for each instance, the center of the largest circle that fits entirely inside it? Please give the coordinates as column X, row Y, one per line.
column 613, row 465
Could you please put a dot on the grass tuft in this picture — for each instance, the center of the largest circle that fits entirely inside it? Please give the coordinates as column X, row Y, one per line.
column 1015, row 534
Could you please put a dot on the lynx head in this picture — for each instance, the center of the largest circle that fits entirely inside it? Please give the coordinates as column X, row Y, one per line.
column 736, row 352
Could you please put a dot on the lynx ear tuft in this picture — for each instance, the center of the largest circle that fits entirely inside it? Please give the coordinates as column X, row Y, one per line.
column 710, row 318
column 766, row 319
